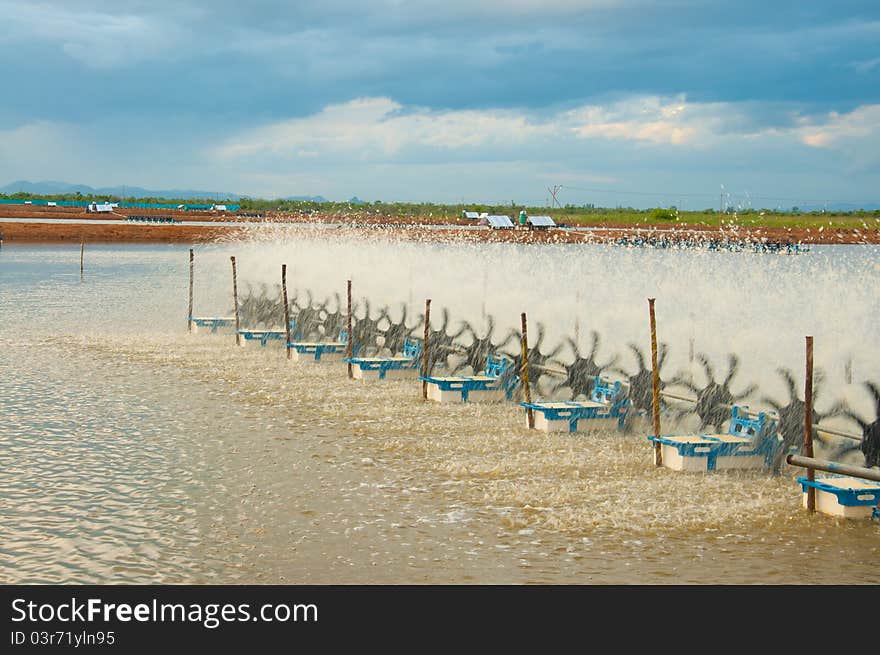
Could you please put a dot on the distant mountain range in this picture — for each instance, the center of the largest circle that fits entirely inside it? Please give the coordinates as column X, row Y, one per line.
column 52, row 187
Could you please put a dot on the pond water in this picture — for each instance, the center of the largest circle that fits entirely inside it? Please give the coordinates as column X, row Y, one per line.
column 132, row 451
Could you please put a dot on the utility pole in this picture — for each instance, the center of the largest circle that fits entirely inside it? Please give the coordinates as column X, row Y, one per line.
column 553, row 191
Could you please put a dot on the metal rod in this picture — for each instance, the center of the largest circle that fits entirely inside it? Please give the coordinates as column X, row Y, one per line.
column 752, row 412
column 235, row 301
column 189, row 322
column 838, row 433
column 286, row 309
column 808, row 422
column 425, row 348
column 350, row 339
column 551, row 369
column 810, row 463
column 658, row 453
column 669, row 394
column 525, row 369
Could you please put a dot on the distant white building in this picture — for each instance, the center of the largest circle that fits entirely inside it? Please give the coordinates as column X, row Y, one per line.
column 219, row 208
column 101, row 207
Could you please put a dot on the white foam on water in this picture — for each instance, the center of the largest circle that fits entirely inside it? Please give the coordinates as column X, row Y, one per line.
column 292, row 473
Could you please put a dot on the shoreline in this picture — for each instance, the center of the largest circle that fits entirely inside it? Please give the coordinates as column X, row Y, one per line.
column 94, row 228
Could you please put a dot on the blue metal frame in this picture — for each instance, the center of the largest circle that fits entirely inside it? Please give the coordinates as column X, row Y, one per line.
column 760, row 429
column 499, row 368
column 318, row 349
column 846, row 497
column 613, row 396
column 412, row 350
column 212, row 323
column 264, row 336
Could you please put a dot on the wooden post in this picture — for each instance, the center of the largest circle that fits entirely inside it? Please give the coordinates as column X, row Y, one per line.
column 690, row 371
column 808, row 424
column 286, row 308
column 82, row 247
column 189, row 322
column 235, row 302
column 348, row 342
column 524, row 344
column 425, row 348
column 658, row 452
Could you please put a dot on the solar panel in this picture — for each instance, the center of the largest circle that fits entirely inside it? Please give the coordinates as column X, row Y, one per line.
column 497, row 221
column 542, row 221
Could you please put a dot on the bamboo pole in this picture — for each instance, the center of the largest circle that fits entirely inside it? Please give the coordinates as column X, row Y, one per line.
column 286, row 309
column 658, row 452
column 524, row 344
column 808, row 422
column 235, row 302
column 348, row 342
column 189, row 316
column 425, row 348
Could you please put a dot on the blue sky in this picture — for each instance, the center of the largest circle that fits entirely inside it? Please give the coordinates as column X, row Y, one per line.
column 615, row 102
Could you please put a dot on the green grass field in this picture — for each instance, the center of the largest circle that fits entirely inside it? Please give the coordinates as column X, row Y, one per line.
column 568, row 215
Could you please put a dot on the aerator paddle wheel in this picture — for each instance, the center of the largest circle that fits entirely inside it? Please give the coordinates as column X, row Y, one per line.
column 870, row 443
column 308, row 318
column 641, row 383
column 537, row 360
column 394, row 336
column 581, row 373
column 715, row 400
column 791, row 416
column 441, row 344
column 365, row 330
column 477, row 353
column 332, row 322
column 260, row 310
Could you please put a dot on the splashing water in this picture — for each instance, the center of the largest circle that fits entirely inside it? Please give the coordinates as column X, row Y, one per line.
column 141, row 453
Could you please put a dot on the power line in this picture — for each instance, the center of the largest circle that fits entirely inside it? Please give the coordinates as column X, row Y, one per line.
column 638, row 193
column 690, row 195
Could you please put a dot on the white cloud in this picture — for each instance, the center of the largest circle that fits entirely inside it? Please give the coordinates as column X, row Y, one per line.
column 866, row 65
column 836, row 128
column 100, row 40
column 382, row 129
column 379, row 143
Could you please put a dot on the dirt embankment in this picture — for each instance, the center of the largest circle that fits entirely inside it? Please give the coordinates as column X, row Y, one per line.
column 375, row 225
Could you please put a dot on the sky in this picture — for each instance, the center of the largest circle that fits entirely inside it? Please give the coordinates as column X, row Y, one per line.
column 692, row 103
